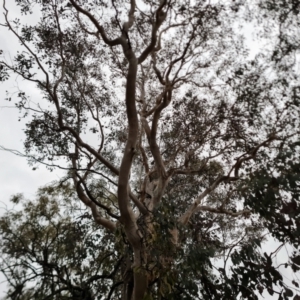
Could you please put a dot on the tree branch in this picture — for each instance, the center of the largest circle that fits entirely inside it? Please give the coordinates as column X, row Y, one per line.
column 160, row 17
column 94, row 200
column 193, row 208
column 223, row 211
column 115, row 42
column 97, row 217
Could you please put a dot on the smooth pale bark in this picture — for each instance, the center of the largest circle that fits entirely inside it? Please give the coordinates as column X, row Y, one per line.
column 127, row 216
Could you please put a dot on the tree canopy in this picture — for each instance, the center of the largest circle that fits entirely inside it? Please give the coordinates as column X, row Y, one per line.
column 51, row 250
column 177, row 130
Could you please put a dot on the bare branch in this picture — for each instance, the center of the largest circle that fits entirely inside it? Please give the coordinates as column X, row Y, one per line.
column 160, row 16
column 94, row 200
column 252, row 153
column 193, row 208
column 115, row 42
column 223, row 211
column 97, row 217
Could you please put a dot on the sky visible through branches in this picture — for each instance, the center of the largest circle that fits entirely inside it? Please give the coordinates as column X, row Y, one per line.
column 17, row 177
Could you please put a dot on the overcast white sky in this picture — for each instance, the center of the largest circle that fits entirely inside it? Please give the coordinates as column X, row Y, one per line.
column 15, row 174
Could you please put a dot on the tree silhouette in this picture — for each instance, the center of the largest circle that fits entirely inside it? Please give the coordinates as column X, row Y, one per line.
column 171, row 133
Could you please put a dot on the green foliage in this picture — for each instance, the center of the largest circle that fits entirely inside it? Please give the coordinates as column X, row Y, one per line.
column 169, row 127
column 276, row 197
column 51, row 249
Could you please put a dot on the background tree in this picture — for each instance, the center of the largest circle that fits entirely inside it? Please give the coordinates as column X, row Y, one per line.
column 193, row 143
column 52, row 250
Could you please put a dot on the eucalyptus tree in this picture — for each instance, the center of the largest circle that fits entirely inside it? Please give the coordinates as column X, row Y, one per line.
column 192, row 135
